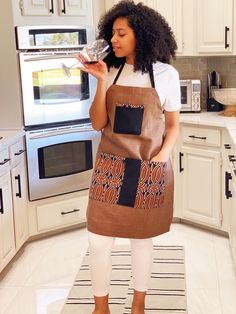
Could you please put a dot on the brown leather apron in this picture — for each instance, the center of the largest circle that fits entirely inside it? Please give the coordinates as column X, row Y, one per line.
column 131, row 196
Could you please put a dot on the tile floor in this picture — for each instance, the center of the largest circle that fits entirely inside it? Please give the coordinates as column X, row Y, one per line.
column 40, row 279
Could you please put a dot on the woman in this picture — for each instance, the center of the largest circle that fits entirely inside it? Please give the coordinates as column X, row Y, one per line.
column 131, row 194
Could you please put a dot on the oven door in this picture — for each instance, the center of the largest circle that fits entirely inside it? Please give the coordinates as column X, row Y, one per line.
column 49, row 95
column 186, row 97
column 60, row 160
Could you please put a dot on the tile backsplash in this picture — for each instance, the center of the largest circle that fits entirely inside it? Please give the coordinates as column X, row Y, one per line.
column 198, row 68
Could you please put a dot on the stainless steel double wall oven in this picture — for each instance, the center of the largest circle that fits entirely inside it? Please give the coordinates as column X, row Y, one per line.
column 61, row 144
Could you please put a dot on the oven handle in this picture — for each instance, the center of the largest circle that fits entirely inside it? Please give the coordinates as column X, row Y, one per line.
column 54, row 56
column 60, row 132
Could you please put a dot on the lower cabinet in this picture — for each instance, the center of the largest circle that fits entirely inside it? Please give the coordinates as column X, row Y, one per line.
column 19, row 196
column 61, row 214
column 201, row 185
column 7, row 237
column 232, row 227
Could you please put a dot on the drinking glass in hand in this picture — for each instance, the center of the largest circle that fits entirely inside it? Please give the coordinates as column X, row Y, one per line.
column 90, row 54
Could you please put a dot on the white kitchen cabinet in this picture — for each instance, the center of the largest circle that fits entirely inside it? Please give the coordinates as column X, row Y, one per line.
column 61, row 214
column 201, row 185
column 53, row 12
column 19, row 195
column 232, row 228
column 7, row 240
column 214, row 26
column 198, row 177
column 49, row 7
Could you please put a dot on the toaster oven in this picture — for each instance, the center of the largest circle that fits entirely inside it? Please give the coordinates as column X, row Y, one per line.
column 190, row 95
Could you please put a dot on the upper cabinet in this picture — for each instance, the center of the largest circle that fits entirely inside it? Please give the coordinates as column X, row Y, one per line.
column 48, row 7
column 214, row 26
column 43, row 12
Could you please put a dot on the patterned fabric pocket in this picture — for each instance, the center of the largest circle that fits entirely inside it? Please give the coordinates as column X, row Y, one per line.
column 129, row 182
column 128, row 119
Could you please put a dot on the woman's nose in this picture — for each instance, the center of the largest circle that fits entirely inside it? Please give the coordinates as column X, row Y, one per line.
column 113, row 39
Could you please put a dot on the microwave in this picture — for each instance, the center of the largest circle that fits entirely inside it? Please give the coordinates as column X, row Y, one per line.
column 190, row 95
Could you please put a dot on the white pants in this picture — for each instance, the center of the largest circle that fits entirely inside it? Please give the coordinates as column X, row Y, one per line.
column 100, row 262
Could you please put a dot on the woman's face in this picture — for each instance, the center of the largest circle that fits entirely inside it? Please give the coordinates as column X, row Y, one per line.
column 123, row 40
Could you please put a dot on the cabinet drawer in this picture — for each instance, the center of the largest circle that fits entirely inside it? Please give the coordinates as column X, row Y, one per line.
column 201, row 136
column 64, row 213
column 16, row 152
column 4, row 161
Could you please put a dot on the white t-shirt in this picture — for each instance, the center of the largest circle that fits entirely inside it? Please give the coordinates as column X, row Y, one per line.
column 166, row 82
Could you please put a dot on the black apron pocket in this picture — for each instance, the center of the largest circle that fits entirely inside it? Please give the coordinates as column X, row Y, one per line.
column 151, row 185
column 128, row 119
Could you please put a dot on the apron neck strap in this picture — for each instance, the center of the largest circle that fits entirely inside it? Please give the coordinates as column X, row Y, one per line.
column 150, row 70
column 118, row 73
column 150, row 74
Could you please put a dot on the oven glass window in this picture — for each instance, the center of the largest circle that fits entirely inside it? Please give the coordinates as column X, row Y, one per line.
column 184, row 98
column 64, row 159
column 52, row 86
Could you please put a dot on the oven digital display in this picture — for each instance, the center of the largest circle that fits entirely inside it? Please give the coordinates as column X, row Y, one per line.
column 54, row 87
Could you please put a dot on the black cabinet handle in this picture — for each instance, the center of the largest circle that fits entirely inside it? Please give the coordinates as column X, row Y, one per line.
column 70, row 211
column 5, row 161
column 199, row 137
column 64, row 7
column 1, row 203
column 180, row 162
column 227, row 146
column 17, row 178
column 228, row 177
column 226, row 40
column 52, row 7
column 21, row 151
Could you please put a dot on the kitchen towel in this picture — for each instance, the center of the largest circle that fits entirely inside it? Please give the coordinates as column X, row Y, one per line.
column 166, row 294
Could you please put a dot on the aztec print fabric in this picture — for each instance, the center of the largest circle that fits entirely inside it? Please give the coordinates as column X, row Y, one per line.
column 127, row 181
column 166, row 293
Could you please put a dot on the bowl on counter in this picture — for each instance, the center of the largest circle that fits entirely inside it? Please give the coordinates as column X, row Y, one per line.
column 227, row 97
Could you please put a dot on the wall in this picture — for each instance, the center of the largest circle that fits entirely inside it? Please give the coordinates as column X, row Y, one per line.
column 10, row 97
column 198, row 68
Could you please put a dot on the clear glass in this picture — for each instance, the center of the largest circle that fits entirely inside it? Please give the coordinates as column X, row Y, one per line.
column 93, row 52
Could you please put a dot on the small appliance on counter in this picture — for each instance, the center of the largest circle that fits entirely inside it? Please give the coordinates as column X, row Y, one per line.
column 213, row 82
column 190, row 95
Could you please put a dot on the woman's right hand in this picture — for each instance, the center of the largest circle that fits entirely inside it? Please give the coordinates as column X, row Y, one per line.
column 98, row 70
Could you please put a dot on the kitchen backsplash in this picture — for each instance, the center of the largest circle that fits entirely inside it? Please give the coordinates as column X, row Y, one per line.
column 198, row 67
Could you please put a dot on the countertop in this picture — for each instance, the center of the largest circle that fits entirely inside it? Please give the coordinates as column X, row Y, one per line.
column 8, row 137
column 211, row 119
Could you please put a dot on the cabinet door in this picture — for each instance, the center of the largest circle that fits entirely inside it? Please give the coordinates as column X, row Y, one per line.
column 201, row 186
column 7, row 240
column 19, row 193
column 215, row 26
column 37, row 7
column 232, row 231
column 72, row 7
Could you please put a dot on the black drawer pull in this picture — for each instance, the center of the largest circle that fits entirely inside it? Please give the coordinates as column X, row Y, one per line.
column 1, row 203
column 70, row 211
column 21, row 151
column 226, row 39
column 228, row 177
column 64, row 7
column 17, row 178
column 52, row 7
column 198, row 137
column 5, row 161
column 227, row 146
column 180, row 162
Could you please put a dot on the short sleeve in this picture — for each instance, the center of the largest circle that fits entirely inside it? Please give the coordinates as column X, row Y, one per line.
column 173, row 99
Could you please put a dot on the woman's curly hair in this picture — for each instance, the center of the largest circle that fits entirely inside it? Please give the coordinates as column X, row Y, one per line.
column 155, row 40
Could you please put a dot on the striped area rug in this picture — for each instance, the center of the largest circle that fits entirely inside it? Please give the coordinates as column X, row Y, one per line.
column 166, row 294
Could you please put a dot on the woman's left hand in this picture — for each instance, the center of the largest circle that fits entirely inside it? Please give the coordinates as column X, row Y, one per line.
column 160, row 157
